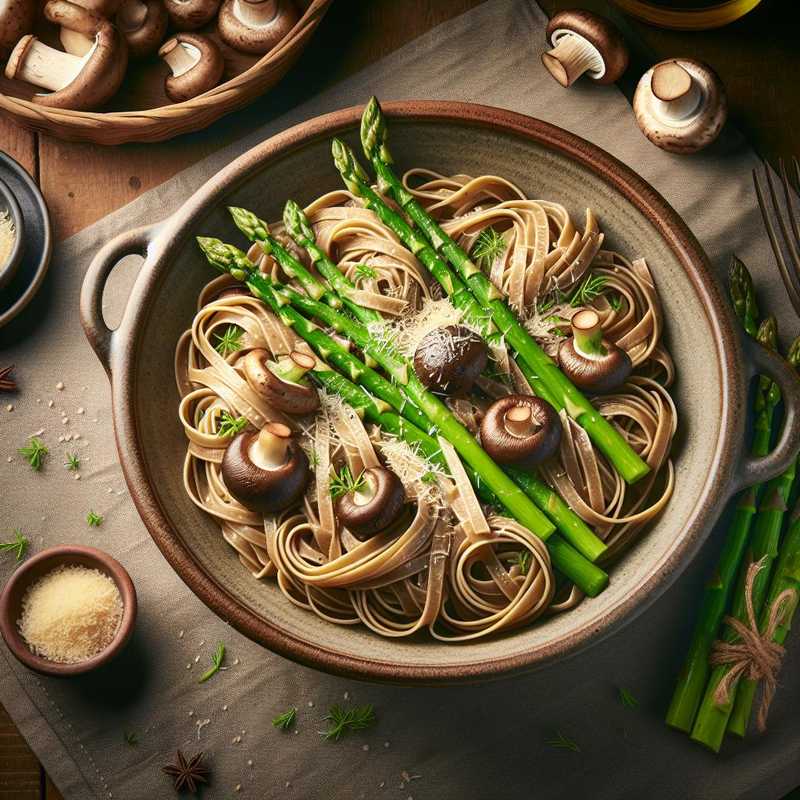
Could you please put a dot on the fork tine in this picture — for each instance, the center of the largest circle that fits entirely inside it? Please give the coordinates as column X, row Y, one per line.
column 788, row 279
column 787, row 193
column 794, row 265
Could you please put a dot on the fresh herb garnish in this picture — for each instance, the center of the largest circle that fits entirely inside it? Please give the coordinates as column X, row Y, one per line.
column 557, row 322
column 591, row 286
column 627, row 699
column 230, row 425
column 345, row 720
column 615, row 301
column 286, row 720
column 216, row 663
column 17, row 547
column 131, row 738
column 522, row 558
column 343, row 482
column 34, row 452
column 488, row 247
column 429, row 477
column 562, row 742
column 73, row 462
column 366, row 272
column 94, row 520
column 230, row 341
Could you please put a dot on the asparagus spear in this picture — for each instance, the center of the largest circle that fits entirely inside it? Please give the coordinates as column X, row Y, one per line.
column 560, row 391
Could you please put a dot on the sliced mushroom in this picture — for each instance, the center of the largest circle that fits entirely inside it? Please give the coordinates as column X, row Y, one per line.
column 373, row 507
column 591, row 362
column 189, row 15
column 17, row 18
column 255, row 26
column 143, row 23
column 196, row 64
column 680, row 105
column 267, row 470
column 281, row 384
column 450, row 359
column 77, row 83
column 584, row 43
column 520, row 430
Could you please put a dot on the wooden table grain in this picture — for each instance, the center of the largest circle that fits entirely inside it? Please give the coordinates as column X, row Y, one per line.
column 757, row 59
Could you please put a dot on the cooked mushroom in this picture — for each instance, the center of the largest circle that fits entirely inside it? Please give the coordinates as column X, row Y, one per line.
column 374, row 505
column 520, row 430
column 281, row 384
column 255, row 26
column 77, row 83
column 680, row 105
column 450, row 359
column 189, row 15
column 143, row 23
column 196, row 65
column 17, row 18
column 591, row 362
column 267, row 470
column 77, row 43
column 584, row 43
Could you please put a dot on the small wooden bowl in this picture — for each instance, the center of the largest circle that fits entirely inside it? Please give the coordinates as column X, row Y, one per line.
column 10, row 206
column 38, row 566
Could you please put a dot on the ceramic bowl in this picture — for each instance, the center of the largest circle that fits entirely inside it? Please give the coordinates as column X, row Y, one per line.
column 41, row 564
column 714, row 366
column 9, row 207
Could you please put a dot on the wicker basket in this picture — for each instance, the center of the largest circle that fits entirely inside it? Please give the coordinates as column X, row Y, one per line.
column 158, row 124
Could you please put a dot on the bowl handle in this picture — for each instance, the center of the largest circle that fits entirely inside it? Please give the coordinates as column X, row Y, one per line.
column 100, row 336
column 762, row 361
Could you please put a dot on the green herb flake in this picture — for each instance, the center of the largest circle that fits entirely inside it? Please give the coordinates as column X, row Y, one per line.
column 591, row 287
column 488, row 247
column 34, row 452
column 522, row 558
column 18, row 546
column 346, row 720
column 217, row 658
column 72, row 463
column 429, row 477
column 94, row 520
column 229, row 425
column 230, row 341
column 343, row 482
column 365, row 272
column 286, row 720
column 615, row 301
column 627, row 699
column 131, row 739
column 562, row 742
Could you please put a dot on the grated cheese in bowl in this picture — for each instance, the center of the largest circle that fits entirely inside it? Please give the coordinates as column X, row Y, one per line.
column 8, row 237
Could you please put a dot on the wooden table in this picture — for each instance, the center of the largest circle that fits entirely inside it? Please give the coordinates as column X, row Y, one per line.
column 757, row 59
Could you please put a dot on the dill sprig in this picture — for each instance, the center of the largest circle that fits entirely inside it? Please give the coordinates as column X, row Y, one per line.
column 591, row 287
column 615, row 301
column 286, row 720
column 217, row 657
column 73, row 462
column 562, row 742
column 34, row 453
column 230, row 425
column 627, row 699
column 343, row 482
column 130, row 738
column 488, row 247
column 522, row 558
column 346, row 720
column 94, row 520
column 18, row 546
column 366, row 272
column 230, row 341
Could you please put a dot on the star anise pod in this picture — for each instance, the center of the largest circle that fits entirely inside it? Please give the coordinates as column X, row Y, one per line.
column 7, row 383
column 187, row 774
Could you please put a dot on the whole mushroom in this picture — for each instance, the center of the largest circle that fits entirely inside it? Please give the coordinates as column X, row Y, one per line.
column 591, row 362
column 281, row 384
column 267, row 470
column 450, row 359
column 196, row 64
column 374, row 505
column 17, row 18
column 583, row 42
column 255, row 26
column 520, row 430
column 143, row 23
column 189, row 15
column 74, row 82
column 680, row 105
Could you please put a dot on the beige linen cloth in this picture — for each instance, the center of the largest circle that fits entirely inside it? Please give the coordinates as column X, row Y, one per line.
column 465, row 743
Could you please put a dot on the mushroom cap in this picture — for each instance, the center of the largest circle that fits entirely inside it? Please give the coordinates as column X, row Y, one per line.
column 103, row 8
column 385, row 506
column 189, row 15
column 450, row 359
column 204, row 75
column 143, row 33
column 266, row 491
column 258, row 39
column 693, row 131
column 599, row 374
column 291, row 398
column 17, row 18
column 527, row 450
column 598, row 31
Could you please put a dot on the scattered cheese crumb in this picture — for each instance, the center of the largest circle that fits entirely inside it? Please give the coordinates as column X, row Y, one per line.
column 224, row 708
column 9, row 407
column 81, row 410
column 311, row 704
column 60, row 386
column 365, row 748
column 180, row 633
column 249, row 762
column 386, row 744
column 77, row 476
column 50, row 404
column 65, row 420
column 191, row 713
column 201, row 723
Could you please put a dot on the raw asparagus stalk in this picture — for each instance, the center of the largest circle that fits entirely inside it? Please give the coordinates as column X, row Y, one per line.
column 560, row 391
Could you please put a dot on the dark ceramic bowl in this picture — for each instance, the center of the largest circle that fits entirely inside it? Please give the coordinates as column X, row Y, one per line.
column 38, row 566
column 714, row 366
column 9, row 206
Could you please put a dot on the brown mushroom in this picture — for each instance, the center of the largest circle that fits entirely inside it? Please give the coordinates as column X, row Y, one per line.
column 189, row 15
column 77, row 43
column 591, row 362
column 77, row 83
column 680, row 105
column 281, row 384
column 143, row 23
column 196, row 64
column 374, row 505
column 584, row 42
column 17, row 18
column 255, row 26
column 267, row 470
column 450, row 359
column 520, row 430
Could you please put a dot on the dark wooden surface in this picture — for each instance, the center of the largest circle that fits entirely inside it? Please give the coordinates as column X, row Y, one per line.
column 758, row 59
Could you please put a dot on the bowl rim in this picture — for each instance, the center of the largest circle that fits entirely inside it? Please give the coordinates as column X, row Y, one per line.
column 711, row 496
column 20, row 581
column 9, row 268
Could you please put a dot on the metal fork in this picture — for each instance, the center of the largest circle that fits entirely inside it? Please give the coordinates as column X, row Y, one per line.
column 790, row 272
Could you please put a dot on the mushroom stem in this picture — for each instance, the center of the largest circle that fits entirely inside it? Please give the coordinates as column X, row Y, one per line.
column 366, row 493
column 255, row 13
column 571, row 57
column 293, row 369
column 180, row 56
column 269, row 450
column 519, row 421
column 588, row 334
column 677, row 95
column 42, row 65
column 74, row 42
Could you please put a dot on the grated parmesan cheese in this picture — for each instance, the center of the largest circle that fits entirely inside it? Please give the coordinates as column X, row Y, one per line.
column 8, row 237
column 70, row 614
